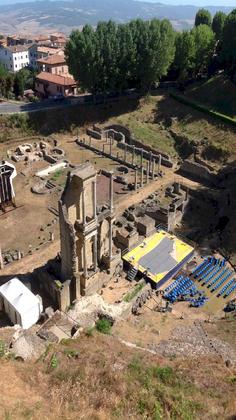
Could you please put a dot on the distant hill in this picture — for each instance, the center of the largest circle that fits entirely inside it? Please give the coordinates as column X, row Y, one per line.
column 45, row 15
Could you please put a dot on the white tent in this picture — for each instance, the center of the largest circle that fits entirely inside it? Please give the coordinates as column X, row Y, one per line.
column 20, row 304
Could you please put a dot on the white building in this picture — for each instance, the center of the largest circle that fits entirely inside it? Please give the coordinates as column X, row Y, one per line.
column 15, row 58
column 19, row 303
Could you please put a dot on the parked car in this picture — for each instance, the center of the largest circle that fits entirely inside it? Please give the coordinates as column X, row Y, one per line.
column 59, row 97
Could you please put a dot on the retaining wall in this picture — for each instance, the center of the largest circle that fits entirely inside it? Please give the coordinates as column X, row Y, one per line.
column 196, row 170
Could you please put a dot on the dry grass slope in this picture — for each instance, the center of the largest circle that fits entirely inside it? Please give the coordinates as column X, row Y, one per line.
column 96, row 377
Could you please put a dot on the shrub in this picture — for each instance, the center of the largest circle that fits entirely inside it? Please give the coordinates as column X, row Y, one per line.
column 89, row 332
column 53, row 361
column 164, row 373
column 2, row 348
column 71, row 354
column 103, row 326
column 133, row 292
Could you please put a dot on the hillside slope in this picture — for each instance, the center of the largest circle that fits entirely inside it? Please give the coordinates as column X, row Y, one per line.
column 152, row 120
column 37, row 16
column 219, row 93
column 96, row 377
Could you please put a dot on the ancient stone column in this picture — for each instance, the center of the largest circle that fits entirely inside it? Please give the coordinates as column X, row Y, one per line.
column 94, row 199
column 111, row 191
column 150, row 159
column 136, row 181
column 142, row 176
column 159, row 164
column 83, row 206
column 95, row 256
column 51, row 238
column 186, row 196
column 1, row 260
column 153, row 168
column 85, row 270
column 110, row 239
column 147, row 172
column 110, row 145
column 141, row 158
column 103, row 147
column 125, row 152
column 133, row 152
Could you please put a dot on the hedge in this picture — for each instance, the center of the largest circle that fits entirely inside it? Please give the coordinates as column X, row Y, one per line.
column 225, row 118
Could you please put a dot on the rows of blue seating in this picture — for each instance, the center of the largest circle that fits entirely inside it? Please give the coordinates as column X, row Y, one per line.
column 172, row 285
column 184, row 289
column 222, row 281
column 224, row 290
column 213, row 273
column 208, row 269
column 229, row 291
column 219, row 277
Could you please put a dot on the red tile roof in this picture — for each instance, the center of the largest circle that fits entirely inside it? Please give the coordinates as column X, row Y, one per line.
column 56, row 79
column 52, row 59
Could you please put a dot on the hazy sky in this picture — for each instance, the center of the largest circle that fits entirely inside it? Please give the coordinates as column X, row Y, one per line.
column 202, row 2
column 199, row 3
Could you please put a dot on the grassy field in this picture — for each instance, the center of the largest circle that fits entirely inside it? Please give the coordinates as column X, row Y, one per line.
column 219, row 93
column 82, row 379
column 152, row 120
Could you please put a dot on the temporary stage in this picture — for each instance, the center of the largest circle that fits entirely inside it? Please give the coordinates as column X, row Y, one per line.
column 159, row 257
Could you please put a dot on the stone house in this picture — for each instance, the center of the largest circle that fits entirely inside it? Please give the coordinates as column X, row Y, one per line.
column 48, row 84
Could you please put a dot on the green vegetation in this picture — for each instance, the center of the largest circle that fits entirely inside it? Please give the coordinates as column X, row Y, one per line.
column 204, row 109
column 218, row 93
column 134, row 292
column 103, row 326
column 53, row 361
column 114, row 57
column 71, row 353
column 89, row 332
column 2, row 348
column 203, row 17
column 13, row 85
column 158, row 385
column 218, row 24
column 57, row 175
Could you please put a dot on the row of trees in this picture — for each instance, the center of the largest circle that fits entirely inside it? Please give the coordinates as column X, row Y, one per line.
column 113, row 57
column 13, row 85
column 209, row 46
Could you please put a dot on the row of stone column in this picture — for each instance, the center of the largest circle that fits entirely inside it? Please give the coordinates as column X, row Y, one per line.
column 135, row 151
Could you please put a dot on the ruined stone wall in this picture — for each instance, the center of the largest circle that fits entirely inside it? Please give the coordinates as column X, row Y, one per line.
column 198, row 171
column 124, row 136
column 69, row 261
column 93, row 133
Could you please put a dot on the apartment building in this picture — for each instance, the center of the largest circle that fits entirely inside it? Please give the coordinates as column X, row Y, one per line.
column 15, row 58
column 54, row 64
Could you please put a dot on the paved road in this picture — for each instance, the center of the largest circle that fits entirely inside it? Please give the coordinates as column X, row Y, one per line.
column 11, row 108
